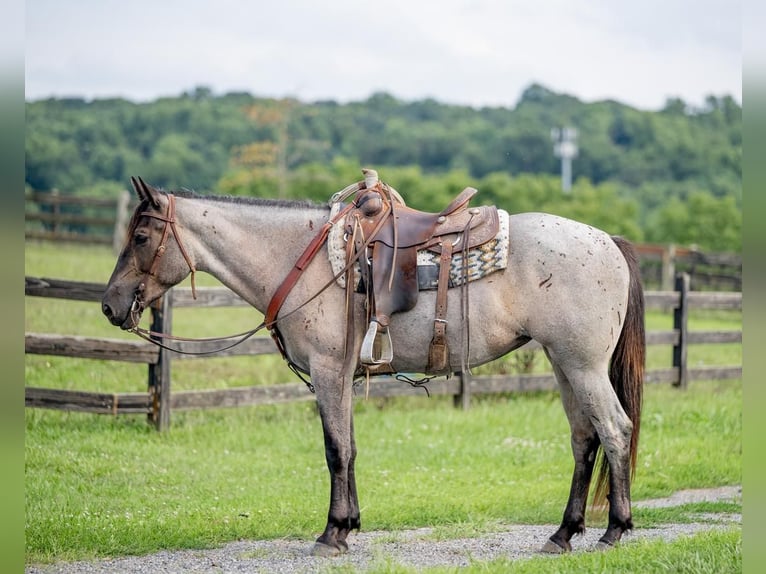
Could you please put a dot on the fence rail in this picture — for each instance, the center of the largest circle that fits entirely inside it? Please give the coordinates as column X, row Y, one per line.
column 660, row 264
column 64, row 217
column 158, row 402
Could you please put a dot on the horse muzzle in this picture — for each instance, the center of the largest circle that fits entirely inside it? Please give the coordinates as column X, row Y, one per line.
column 128, row 319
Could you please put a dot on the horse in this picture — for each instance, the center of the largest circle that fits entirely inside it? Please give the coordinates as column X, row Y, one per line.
column 571, row 287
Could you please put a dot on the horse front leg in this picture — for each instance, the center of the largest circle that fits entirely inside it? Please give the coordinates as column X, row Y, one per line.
column 335, row 401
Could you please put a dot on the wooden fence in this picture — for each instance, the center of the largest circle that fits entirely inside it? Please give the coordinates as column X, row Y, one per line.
column 63, row 217
column 158, row 402
column 660, row 264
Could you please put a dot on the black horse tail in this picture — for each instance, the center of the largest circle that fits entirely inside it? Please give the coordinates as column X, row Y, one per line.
column 626, row 370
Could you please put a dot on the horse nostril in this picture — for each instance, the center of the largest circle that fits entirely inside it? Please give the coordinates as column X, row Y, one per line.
column 107, row 310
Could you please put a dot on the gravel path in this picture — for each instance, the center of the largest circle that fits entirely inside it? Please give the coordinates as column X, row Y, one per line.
column 412, row 548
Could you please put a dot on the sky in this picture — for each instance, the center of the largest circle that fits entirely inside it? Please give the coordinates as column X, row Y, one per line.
column 464, row 52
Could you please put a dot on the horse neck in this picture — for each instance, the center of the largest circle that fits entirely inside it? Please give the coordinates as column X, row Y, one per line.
column 249, row 247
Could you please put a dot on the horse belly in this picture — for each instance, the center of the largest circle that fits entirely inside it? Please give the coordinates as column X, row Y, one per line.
column 493, row 327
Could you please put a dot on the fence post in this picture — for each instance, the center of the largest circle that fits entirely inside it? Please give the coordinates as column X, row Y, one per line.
column 159, row 373
column 463, row 398
column 56, row 211
column 668, row 267
column 681, row 325
column 121, row 221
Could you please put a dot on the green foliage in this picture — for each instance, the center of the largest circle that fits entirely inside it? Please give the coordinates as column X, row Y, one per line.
column 635, row 171
column 702, row 219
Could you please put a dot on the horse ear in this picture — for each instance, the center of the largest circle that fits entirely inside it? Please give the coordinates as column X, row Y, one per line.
column 145, row 191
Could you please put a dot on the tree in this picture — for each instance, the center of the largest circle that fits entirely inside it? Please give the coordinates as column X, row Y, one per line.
column 705, row 221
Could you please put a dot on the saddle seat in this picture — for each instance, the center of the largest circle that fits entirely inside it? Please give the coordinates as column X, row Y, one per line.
column 412, row 228
column 394, row 233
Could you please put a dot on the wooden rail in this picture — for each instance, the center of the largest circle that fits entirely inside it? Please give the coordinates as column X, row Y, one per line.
column 65, row 217
column 660, row 264
column 158, row 402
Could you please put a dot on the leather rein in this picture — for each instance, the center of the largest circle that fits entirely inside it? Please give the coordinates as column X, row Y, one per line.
column 138, row 303
column 280, row 295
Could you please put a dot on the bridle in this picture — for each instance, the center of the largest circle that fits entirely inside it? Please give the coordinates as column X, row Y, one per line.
column 170, row 225
column 138, row 298
column 270, row 320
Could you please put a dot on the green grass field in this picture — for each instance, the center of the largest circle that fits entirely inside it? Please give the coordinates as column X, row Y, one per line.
column 108, row 486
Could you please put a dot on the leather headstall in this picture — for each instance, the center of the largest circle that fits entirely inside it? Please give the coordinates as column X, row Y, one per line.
column 170, row 225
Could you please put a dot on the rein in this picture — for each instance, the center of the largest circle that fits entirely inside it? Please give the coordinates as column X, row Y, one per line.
column 280, row 295
column 147, row 335
column 270, row 321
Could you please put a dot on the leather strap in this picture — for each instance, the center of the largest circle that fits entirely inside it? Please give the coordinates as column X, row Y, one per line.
column 278, row 299
column 438, row 353
column 170, row 224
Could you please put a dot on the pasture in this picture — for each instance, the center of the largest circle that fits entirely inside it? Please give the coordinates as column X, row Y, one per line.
column 105, row 486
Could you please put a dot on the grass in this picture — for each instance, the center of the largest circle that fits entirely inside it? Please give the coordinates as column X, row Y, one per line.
column 109, row 486
column 101, row 486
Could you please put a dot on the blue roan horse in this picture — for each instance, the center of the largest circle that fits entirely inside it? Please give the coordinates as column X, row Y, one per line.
column 569, row 286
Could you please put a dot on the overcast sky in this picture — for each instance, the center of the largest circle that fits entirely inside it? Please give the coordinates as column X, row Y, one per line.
column 472, row 52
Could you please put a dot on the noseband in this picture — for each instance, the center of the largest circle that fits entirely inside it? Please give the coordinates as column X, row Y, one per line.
column 170, row 225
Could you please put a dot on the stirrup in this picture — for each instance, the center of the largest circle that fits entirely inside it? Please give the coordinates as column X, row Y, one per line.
column 386, row 349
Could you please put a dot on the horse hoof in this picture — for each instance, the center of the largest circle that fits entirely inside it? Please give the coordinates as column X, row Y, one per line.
column 327, row 551
column 602, row 546
column 550, row 547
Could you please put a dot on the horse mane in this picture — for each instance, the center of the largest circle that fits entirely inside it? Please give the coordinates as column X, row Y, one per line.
column 143, row 205
column 249, row 200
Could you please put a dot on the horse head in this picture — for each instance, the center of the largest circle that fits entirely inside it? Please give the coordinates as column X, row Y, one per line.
column 152, row 261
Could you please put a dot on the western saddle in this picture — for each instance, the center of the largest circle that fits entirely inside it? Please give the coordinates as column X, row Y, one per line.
column 385, row 236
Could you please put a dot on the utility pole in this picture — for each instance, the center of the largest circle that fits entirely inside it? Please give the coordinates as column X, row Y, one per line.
column 565, row 147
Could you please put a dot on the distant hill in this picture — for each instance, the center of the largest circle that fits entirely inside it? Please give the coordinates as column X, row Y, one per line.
column 240, row 143
column 190, row 139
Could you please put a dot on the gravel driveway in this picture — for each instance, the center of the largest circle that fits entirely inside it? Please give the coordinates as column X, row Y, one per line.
column 412, row 548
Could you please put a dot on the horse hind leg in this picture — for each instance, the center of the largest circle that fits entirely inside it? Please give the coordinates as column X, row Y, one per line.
column 592, row 391
column 614, row 429
column 585, row 443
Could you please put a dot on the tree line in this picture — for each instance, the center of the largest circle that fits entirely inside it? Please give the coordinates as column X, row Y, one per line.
column 672, row 175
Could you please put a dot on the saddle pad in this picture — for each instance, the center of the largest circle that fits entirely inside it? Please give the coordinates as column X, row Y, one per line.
column 482, row 260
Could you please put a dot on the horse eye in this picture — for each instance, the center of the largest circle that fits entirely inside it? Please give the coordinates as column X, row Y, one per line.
column 140, row 239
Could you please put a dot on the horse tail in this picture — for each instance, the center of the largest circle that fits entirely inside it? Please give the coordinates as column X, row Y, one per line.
column 626, row 370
